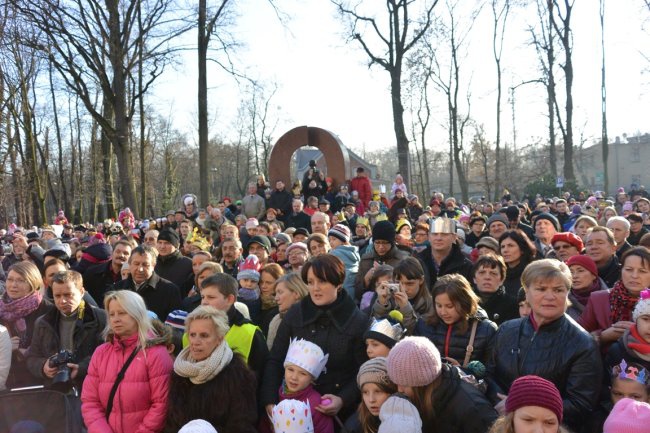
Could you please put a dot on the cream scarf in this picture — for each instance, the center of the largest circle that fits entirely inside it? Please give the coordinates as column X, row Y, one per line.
column 202, row 371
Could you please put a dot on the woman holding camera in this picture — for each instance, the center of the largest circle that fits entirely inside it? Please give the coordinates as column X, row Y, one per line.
column 409, row 295
column 127, row 384
column 22, row 303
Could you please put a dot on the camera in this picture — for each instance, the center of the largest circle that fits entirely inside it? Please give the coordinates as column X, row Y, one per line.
column 392, row 288
column 7, row 249
column 61, row 381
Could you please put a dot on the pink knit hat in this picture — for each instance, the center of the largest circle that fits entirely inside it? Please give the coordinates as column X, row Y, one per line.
column 628, row 416
column 414, row 361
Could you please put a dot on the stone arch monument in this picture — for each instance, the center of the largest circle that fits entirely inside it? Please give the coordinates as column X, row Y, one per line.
column 335, row 153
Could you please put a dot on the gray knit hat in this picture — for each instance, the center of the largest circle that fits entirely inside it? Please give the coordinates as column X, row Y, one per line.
column 374, row 371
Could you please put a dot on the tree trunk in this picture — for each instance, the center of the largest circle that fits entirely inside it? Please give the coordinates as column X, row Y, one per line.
column 203, row 40
column 107, row 164
column 398, row 123
column 143, row 161
column 603, row 99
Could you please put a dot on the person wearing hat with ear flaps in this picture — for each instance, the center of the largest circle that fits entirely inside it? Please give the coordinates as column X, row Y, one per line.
column 382, row 251
column 443, row 256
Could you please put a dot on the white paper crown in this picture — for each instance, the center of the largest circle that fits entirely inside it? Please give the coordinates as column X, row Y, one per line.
column 292, row 416
column 383, row 326
column 306, row 355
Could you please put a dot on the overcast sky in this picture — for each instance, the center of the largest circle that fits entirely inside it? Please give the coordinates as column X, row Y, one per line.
column 324, row 81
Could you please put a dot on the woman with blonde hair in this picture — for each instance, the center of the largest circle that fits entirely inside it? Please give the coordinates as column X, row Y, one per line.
column 289, row 289
column 127, row 384
column 22, row 303
column 207, row 371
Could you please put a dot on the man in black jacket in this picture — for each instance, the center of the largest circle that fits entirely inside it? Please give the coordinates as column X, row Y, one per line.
column 160, row 296
column 171, row 264
column 98, row 279
column 298, row 218
column 443, row 256
column 281, row 201
column 73, row 326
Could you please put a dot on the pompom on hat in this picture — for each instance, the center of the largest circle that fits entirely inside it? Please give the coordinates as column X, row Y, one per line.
column 628, row 416
column 306, row 355
column 250, row 268
column 414, row 361
column 292, row 416
column 642, row 306
column 534, row 391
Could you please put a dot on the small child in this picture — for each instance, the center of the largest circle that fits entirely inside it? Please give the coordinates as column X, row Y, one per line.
column 630, row 381
column 248, row 278
column 634, row 344
column 628, row 416
column 339, row 239
column 381, row 337
column 305, row 361
column 524, row 306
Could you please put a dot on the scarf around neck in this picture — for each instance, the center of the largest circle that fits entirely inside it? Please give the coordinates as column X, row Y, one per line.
column 199, row 372
column 637, row 344
column 14, row 311
column 583, row 295
column 621, row 302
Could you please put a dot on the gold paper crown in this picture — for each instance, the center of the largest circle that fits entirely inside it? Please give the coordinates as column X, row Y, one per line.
column 363, row 221
column 198, row 240
column 381, row 217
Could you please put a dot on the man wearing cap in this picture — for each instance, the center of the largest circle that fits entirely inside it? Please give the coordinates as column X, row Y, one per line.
column 477, row 230
column 260, row 246
column 171, row 264
column 514, row 219
column 297, row 256
column 383, row 251
column 98, row 279
column 443, row 256
column 361, row 184
column 324, row 207
column 497, row 225
column 545, row 226
column 620, row 226
column 252, row 205
column 160, row 295
column 298, row 217
column 281, row 201
column 79, row 232
column 566, row 245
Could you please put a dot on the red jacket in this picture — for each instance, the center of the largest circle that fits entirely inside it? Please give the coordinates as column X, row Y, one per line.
column 597, row 314
column 140, row 403
column 362, row 186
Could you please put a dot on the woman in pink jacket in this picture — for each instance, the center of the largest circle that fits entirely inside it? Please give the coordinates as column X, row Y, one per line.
column 140, row 400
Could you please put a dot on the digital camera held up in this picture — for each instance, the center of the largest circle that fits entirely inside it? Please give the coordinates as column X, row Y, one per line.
column 61, row 381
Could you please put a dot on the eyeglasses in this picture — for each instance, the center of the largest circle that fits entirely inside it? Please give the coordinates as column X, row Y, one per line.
column 16, row 280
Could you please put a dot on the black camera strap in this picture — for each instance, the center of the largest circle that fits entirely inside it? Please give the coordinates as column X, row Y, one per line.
column 118, row 379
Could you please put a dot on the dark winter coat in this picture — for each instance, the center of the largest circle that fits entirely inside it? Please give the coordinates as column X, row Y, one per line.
column 160, row 296
column 512, row 282
column 454, row 263
column 301, row 219
column 458, row 406
column 174, row 267
column 338, row 330
column 227, row 401
column 634, row 239
column 281, row 200
column 456, row 346
column 611, row 272
column 99, row 279
column 392, row 258
column 561, row 352
column 499, row 307
column 46, row 341
column 259, row 352
column 621, row 350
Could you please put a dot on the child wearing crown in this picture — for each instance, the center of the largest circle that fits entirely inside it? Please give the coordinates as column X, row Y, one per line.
column 248, row 278
column 634, row 345
column 305, row 361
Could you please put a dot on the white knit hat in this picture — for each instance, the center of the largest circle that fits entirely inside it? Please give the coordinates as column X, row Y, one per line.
column 292, row 416
column 642, row 306
column 307, row 356
column 398, row 415
column 198, row 426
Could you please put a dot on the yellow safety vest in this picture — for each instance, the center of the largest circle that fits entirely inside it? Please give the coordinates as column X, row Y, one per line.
column 239, row 338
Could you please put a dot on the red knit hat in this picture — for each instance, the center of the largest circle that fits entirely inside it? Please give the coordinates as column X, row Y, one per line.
column 584, row 261
column 534, row 391
column 569, row 238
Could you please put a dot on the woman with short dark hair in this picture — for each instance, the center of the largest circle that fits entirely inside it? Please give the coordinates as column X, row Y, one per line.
column 329, row 318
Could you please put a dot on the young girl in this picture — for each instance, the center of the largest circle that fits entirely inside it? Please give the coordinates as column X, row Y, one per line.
column 248, row 278
column 458, row 327
column 381, row 337
column 305, row 361
column 376, row 387
column 398, row 185
column 411, row 298
column 382, row 274
column 634, row 345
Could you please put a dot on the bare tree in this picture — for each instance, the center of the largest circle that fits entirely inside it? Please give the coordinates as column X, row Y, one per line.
column 395, row 44
column 500, row 16
column 603, row 98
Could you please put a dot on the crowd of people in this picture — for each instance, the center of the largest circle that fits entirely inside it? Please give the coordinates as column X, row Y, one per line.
column 324, row 308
